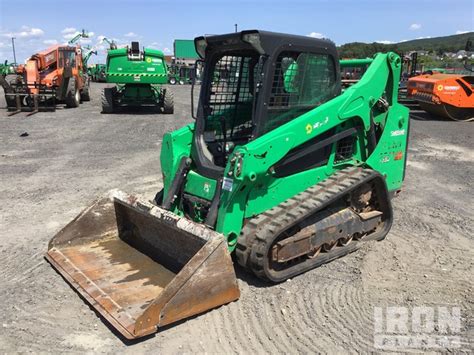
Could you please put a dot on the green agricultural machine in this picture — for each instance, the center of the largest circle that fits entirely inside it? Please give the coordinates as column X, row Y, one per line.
column 280, row 167
column 140, row 76
column 97, row 73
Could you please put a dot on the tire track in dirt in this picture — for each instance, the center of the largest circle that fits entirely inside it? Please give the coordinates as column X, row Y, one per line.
column 293, row 336
column 331, row 305
column 437, row 284
column 220, row 334
column 257, row 318
column 358, row 323
column 292, row 320
column 210, row 328
column 239, row 323
column 301, row 324
column 275, row 329
column 310, row 316
column 15, row 269
column 232, row 328
column 265, row 340
column 308, row 308
column 293, row 315
column 254, row 343
column 349, row 306
column 265, row 327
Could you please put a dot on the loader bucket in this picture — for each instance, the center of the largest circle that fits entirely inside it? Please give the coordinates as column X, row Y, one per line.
column 142, row 267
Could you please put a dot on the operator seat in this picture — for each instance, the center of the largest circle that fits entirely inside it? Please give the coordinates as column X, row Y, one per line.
column 134, row 52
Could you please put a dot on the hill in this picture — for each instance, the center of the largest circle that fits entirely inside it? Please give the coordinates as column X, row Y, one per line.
column 439, row 45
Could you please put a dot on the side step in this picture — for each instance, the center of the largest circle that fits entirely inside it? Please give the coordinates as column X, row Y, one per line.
column 142, row 267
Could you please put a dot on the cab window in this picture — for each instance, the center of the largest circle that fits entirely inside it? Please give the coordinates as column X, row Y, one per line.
column 301, row 82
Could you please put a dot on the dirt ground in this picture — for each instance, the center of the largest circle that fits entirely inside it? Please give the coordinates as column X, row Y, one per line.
column 74, row 155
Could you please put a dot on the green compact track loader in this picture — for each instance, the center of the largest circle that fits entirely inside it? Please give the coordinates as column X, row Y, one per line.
column 140, row 76
column 280, row 168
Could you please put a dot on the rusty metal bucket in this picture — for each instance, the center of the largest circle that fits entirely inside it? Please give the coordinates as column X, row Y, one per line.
column 142, row 267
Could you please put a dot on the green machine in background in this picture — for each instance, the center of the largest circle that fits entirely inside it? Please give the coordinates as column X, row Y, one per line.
column 182, row 70
column 180, row 74
column 7, row 68
column 139, row 76
column 97, row 73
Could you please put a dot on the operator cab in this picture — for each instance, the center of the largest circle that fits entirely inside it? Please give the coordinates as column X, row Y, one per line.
column 67, row 57
column 134, row 52
column 256, row 81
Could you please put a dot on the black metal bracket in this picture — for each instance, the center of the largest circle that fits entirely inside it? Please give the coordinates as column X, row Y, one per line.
column 211, row 217
column 178, row 182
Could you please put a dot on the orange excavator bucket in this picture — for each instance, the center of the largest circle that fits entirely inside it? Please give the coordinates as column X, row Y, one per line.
column 142, row 267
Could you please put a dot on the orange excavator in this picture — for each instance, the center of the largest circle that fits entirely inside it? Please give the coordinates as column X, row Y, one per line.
column 57, row 74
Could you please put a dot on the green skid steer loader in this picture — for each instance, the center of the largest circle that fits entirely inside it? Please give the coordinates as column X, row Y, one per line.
column 279, row 168
column 139, row 76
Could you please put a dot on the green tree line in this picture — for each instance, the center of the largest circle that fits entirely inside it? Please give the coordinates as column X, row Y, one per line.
column 436, row 46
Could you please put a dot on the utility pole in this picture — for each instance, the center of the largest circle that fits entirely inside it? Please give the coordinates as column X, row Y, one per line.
column 13, row 45
column 235, row 27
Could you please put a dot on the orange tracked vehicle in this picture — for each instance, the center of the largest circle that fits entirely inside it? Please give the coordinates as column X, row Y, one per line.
column 447, row 95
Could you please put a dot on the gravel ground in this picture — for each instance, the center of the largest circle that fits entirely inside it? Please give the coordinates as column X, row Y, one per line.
column 74, row 155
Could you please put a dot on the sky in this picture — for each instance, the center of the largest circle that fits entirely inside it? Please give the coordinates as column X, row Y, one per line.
column 39, row 24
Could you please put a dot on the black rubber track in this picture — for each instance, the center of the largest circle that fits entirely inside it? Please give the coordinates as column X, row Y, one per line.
column 260, row 232
column 107, row 99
